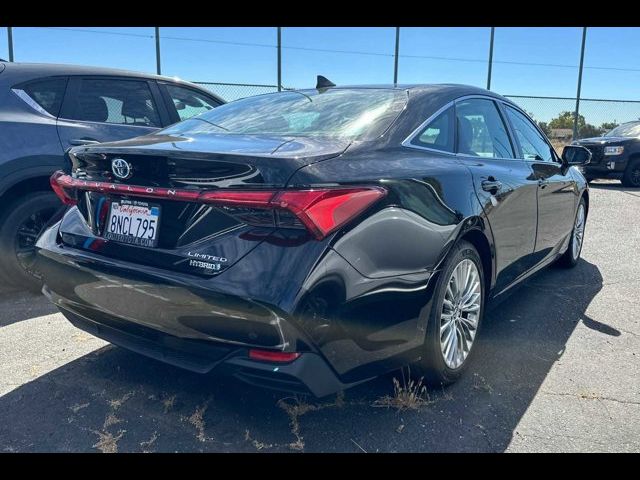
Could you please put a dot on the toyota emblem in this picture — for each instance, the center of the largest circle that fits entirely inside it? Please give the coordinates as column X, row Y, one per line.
column 121, row 168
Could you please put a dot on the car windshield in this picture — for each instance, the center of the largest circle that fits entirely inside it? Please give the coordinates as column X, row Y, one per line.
column 631, row 129
column 346, row 113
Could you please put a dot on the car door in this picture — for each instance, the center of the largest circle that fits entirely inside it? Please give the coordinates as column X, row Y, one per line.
column 554, row 185
column 102, row 109
column 185, row 102
column 501, row 180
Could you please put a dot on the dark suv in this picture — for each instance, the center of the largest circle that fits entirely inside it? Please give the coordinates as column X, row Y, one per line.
column 615, row 154
column 44, row 110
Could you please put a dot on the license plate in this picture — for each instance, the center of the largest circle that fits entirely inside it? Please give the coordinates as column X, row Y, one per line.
column 133, row 222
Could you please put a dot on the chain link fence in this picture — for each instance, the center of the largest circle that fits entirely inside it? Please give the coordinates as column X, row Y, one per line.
column 234, row 91
column 556, row 115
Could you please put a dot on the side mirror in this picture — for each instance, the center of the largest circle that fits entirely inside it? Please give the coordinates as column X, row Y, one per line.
column 575, row 155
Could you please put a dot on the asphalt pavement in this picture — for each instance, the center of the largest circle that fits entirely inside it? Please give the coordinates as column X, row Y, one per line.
column 557, row 368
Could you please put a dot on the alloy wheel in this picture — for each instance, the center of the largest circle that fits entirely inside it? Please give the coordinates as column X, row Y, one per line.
column 578, row 232
column 460, row 313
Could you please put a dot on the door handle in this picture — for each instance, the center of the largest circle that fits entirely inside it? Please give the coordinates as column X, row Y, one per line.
column 491, row 185
column 83, row 141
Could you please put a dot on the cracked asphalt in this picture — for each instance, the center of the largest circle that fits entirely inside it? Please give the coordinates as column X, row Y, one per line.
column 557, row 369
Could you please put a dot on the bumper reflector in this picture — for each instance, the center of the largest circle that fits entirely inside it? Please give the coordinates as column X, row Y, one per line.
column 271, row 356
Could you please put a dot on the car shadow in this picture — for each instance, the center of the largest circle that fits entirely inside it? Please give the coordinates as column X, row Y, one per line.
column 114, row 400
column 20, row 305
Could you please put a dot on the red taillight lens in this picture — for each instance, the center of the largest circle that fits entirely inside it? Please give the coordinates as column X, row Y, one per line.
column 321, row 211
column 249, row 199
column 324, row 211
column 57, row 181
column 271, row 356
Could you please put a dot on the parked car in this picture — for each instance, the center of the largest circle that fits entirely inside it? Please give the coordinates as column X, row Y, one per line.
column 311, row 240
column 615, row 154
column 44, row 110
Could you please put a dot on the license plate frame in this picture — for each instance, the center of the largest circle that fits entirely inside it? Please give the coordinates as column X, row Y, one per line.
column 136, row 210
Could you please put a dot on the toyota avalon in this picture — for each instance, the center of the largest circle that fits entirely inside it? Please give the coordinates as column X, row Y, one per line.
column 311, row 240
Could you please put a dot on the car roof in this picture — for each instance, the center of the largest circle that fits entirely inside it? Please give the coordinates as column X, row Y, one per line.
column 26, row 71
column 450, row 90
column 68, row 69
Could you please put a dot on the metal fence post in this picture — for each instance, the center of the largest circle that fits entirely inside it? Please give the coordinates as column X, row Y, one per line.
column 279, row 59
column 577, row 112
column 158, row 69
column 395, row 61
column 493, row 30
column 10, row 41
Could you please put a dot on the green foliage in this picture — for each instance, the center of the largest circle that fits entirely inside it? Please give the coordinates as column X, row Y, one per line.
column 565, row 120
column 585, row 130
column 589, row 130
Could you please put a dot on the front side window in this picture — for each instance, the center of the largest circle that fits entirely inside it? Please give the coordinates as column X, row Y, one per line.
column 533, row 144
column 188, row 102
column 126, row 102
column 345, row 113
column 481, row 131
column 46, row 94
column 438, row 134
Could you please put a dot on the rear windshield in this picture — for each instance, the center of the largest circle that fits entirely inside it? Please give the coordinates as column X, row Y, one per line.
column 346, row 113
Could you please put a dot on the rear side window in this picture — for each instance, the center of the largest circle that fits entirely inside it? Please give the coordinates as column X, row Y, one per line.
column 481, row 131
column 126, row 102
column 188, row 102
column 46, row 94
column 438, row 134
column 533, row 144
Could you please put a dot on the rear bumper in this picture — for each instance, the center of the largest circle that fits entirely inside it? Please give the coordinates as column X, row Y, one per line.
column 186, row 322
column 308, row 374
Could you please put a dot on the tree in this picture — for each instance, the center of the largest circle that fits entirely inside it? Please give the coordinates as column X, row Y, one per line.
column 607, row 126
column 589, row 130
column 565, row 120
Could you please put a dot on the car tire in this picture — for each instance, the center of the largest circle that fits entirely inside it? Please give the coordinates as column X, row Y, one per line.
column 631, row 176
column 19, row 228
column 438, row 365
column 569, row 259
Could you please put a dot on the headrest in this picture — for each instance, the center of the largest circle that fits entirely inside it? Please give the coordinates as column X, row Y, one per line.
column 136, row 107
column 92, row 108
column 465, row 135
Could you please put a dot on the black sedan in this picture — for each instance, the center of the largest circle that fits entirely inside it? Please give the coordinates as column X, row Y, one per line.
column 311, row 240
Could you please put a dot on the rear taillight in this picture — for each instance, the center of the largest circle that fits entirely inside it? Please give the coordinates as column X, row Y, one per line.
column 271, row 356
column 57, row 185
column 320, row 210
column 324, row 211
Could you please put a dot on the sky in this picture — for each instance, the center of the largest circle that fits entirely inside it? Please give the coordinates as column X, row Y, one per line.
column 527, row 61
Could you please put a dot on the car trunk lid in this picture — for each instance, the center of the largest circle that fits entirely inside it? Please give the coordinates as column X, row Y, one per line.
column 173, row 176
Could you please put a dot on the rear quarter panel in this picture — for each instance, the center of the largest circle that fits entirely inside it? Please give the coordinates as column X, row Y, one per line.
column 431, row 201
column 381, row 270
